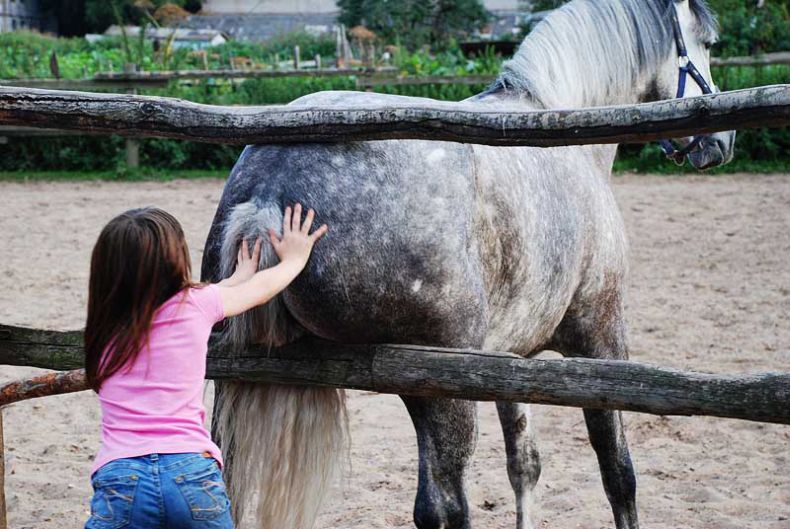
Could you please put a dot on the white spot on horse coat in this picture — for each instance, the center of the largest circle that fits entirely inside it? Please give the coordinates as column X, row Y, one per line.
column 416, row 286
column 435, row 156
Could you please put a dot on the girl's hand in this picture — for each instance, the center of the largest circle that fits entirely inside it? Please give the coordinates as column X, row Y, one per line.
column 297, row 241
column 293, row 249
column 246, row 264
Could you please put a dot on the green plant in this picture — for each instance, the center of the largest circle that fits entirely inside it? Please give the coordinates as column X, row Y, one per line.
column 414, row 23
column 747, row 29
column 747, row 26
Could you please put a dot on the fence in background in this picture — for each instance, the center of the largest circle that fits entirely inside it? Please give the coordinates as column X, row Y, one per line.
column 404, row 369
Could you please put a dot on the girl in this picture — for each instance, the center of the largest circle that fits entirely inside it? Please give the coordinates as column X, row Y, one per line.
column 146, row 340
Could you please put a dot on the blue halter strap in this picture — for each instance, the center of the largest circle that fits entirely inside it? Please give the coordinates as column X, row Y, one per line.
column 686, row 68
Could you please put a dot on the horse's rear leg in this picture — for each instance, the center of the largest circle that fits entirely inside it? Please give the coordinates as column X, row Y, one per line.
column 523, row 460
column 446, row 438
column 608, row 440
column 596, row 329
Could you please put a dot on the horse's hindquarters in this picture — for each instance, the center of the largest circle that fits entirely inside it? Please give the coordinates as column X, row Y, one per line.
column 283, row 445
column 399, row 262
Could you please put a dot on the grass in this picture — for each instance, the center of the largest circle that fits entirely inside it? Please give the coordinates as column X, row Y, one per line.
column 628, row 165
column 667, row 167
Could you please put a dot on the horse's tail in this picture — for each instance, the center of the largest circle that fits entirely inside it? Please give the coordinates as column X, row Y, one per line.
column 282, row 445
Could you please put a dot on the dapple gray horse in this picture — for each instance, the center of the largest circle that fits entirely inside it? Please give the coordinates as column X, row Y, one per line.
column 447, row 244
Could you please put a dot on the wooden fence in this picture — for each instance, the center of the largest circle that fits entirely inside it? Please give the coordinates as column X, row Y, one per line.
column 146, row 116
column 365, row 79
column 403, row 369
column 439, row 372
column 122, row 81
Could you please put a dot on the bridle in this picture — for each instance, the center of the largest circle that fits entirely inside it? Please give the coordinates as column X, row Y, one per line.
column 686, row 68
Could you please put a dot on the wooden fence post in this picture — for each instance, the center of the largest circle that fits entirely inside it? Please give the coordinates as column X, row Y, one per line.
column 3, row 512
column 296, row 57
column 132, row 144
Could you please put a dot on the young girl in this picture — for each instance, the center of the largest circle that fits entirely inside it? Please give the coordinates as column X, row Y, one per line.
column 146, row 341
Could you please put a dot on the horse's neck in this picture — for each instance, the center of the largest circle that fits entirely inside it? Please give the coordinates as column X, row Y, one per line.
column 586, row 54
column 603, row 154
column 556, row 86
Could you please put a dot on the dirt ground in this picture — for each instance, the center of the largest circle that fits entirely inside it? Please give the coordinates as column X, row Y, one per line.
column 709, row 291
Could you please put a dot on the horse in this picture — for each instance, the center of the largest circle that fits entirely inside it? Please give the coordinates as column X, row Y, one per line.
column 438, row 243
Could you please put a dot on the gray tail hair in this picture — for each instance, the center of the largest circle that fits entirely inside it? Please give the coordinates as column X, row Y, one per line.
column 283, row 445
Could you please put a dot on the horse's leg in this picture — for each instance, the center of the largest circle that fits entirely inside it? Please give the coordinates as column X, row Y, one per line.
column 608, row 440
column 446, row 438
column 596, row 329
column 523, row 460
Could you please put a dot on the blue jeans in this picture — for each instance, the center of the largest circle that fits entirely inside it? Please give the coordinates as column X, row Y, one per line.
column 160, row 491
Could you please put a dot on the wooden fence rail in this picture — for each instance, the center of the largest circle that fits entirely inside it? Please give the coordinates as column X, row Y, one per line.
column 766, row 59
column 144, row 116
column 374, row 81
column 240, row 74
column 439, row 372
column 366, row 77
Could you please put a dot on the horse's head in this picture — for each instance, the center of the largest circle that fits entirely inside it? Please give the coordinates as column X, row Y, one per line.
column 686, row 73
column 592, row 53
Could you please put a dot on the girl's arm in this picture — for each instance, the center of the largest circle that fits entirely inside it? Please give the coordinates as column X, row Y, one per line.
column 247, row 288
column 246, row 265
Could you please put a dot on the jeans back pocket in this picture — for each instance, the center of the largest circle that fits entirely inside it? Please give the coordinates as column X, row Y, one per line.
column 113, row 498
column 204, row 491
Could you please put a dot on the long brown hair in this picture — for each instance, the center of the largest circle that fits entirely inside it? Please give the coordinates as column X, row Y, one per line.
column 140, row 261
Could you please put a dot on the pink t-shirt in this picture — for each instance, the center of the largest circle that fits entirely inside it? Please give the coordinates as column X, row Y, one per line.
column 156, row 405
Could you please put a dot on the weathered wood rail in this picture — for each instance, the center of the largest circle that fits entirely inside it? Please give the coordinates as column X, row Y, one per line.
column 366, row 77
column 160, row 79
column 466, row 374
column 240, row 74
column 766, row 59
column 142, row 116
column 374, row 81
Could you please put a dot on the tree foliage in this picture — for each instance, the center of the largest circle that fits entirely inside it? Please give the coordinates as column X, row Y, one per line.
column 746, row 28
column 100, row 14
column 415, row 22
column 70, row 15
column 77, row 17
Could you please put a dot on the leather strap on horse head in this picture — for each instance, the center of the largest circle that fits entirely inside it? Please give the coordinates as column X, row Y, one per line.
column 686, row 67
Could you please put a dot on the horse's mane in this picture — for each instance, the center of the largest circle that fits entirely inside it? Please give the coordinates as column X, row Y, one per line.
column 588, row 52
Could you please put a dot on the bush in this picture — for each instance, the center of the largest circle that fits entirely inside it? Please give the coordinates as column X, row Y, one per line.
column 25, row 54
column 414, row 23
column 748, row 30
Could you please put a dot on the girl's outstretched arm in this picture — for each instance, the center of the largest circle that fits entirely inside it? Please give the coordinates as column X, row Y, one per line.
column 247, row 288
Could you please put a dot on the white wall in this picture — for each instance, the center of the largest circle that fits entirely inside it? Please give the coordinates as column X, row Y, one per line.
column 502, row 5
column 308, row 6
column 269, row 6
column 19, row 14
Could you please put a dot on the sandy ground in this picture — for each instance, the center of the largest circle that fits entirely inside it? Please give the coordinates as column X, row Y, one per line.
column 710, row 290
